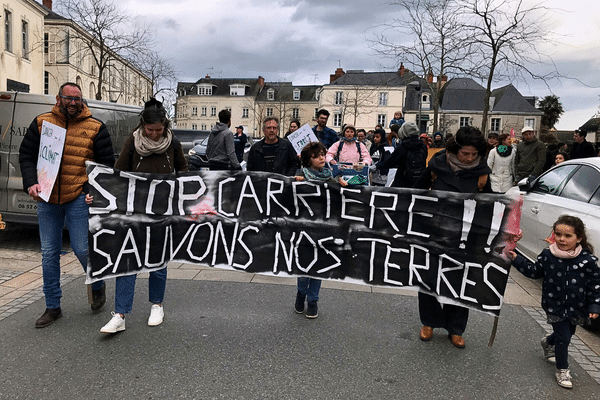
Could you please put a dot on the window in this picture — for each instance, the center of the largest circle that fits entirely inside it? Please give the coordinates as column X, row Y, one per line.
column 270, row 94
column 465, row 121
column 194, row 111
column 269, row 112
column 383, row 99
column 339, row 98
column 552, row 181
column 203, row 111
column 203, row 127
column 297, row 94
column 530, row 122
column 45, row 43
column 244, row 113
column 295, row 113
column 582, row 184
column 337, row 119
column 47, row 82
column 194, row 126
column 495, row 125
column 237, row 90
column 205, row 90
column 25, row 39
column 7, row 30
column 316, row 111
column 382, row 119
column 213, row 111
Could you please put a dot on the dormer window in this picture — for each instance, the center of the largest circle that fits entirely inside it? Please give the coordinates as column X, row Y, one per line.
column 297, row 94
column 270, row 94
column 204, row 90
column 237, row 90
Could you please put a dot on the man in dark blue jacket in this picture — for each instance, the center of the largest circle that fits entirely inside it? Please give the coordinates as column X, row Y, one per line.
column 326, row 135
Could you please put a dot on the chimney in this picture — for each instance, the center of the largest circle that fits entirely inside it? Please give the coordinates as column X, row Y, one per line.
column 47, row 3
column 207, row 76
column 338, row 74
column 261, row 82
column 401, row 70
column 442, row 80
column 430, row 77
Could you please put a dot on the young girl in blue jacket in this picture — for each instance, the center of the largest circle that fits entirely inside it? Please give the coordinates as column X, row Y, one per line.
column 570, row 290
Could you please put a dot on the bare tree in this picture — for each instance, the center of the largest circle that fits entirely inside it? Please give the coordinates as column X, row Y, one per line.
column 507, row 35
column 358, row 100
column 109, row 34
column 430, row 38
column 161, row 73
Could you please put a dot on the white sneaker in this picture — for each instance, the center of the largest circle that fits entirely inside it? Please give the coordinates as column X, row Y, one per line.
column 563, row 377
column 156, row 315
column 116, row 324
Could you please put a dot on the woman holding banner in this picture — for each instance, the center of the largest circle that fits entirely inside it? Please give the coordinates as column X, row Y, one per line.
column 151, row 148
column 461, row 168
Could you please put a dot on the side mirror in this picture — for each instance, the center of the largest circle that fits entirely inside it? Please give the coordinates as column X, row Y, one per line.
column 526, row 184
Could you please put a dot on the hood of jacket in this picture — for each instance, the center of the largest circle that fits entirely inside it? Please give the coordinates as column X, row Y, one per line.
column 219, row 127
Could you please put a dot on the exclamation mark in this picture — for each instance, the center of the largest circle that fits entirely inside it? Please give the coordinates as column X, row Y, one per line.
column 496, row 221
column 467, row 221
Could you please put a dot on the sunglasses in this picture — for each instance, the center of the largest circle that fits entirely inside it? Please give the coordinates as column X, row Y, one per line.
column 69, row 98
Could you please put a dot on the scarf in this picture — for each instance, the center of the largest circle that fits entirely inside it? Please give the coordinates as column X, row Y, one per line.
column 146, row 146
column 456, row 165
column 556, row 252
column 504, row 151
column 314, row 175
column 349, row 140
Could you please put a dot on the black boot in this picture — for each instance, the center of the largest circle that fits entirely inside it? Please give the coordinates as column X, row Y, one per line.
column 49, row 316
column 98, row 298
column 299, row 306
column 313, row 310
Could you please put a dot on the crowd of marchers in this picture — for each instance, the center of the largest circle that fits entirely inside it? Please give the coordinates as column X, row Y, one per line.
column 464, row 162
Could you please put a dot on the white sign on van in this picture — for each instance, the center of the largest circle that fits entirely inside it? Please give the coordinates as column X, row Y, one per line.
column 52, row 142
column 302, row 137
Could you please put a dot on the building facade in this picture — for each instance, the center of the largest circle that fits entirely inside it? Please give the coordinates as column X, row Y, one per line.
column 21, row 45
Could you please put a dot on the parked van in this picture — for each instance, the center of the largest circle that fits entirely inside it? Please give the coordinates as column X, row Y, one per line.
column 17, row 111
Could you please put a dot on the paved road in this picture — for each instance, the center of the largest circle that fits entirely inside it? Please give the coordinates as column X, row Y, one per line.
column 242, row 340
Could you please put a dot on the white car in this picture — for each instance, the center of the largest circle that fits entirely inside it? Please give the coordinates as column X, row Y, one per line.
column 569, row 188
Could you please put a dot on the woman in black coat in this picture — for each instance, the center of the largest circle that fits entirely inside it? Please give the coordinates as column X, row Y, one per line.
column 461, row 168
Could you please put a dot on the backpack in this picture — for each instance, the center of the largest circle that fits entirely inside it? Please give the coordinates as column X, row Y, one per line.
column 416, row 162
column 339, row 150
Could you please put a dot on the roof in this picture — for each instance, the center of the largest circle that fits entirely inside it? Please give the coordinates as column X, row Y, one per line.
column 592, row 125
column 360, row 78
column 284, row 92
column 221, row 86
column 464, row 94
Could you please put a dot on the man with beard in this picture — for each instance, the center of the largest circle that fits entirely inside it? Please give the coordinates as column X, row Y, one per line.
column 530, row 157
column 86, row 139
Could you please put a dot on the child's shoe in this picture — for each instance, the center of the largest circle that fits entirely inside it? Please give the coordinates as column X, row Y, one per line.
column 549, row 354
column 563, row 377
column 312, row 311
column 299, row 306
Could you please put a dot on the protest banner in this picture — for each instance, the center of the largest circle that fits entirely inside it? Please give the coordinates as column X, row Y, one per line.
column 302, row 137
column 52, row 143
column 443, row 243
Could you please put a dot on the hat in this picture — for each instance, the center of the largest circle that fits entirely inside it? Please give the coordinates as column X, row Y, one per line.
column 239, row 127
column 527, row 129
column 349, row 126
column 438, row 134
column 493, row 134
column 408, row 129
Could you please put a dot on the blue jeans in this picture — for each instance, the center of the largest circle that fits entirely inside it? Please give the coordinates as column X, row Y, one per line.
column 125, row 290
column 52, row 218
column 560, row 339
column 309, row 287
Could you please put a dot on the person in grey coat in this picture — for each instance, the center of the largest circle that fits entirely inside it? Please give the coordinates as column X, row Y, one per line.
column 531, row 156
column 220, row 149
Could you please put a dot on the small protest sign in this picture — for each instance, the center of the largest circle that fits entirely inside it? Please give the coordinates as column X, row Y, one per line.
column 52, row 143
column 302, row 137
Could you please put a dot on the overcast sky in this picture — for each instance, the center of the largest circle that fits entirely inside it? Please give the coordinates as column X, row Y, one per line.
column 305, row 41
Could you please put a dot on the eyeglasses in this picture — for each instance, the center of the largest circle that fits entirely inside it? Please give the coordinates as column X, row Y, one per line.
column 69, row 98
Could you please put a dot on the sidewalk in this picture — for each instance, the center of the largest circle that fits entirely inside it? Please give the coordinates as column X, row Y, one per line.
column 21, row 282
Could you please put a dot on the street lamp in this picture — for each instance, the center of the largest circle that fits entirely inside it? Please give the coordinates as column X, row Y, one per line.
column 418, row 90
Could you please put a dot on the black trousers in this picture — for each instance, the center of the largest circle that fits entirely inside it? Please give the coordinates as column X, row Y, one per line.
column 448, row 316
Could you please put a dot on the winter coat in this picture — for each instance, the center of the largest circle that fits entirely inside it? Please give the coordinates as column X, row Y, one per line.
column 398, row 160
column 285, row 163
column 582, row 150
column 349, row 153
column 530, row 159
column 172, row 160
column 464, row 181
column 86, row 139
column 327, row 136
column 220, row 148
column 571, row 287
column 502, row 177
